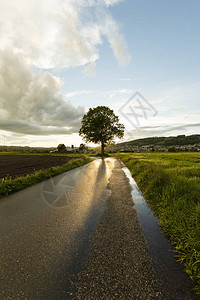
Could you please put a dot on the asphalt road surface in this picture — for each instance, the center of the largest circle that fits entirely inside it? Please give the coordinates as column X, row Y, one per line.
column 77, row 236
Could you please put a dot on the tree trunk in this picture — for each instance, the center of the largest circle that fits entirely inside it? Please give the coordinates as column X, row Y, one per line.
column 102, row 148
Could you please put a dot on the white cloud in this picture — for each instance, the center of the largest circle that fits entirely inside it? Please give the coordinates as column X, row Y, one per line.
column 112, row 2
column 16, row 139
column 59, row 34
column 116, row 40
column 31, row 102
column 89, row 70
column 120, row 49
column 77, row 93
column 165, row 130
column 42, row 35
column 120, row 92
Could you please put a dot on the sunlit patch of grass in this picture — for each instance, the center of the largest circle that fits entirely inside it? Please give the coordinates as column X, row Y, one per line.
column 9, row 185
column 99, row 154
column 171, row 185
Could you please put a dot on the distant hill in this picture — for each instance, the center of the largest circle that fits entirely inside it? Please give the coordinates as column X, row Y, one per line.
column 25, row 149
column 163, row 141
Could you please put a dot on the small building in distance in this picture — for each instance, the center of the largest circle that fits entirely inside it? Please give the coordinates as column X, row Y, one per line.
column 72, row 148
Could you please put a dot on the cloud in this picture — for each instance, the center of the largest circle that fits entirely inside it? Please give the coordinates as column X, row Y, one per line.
column 120, row 49
column 31, row 102
column 116, row 40
column 89, row 70
column 20, row 126
column 112, row 2
column 166, row 128
column 60, row 34
column 38, row 37
column 78, row 93
column 150, row 131
column 120, row 92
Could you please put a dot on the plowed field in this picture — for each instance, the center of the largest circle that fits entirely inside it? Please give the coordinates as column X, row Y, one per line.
column 21, row 165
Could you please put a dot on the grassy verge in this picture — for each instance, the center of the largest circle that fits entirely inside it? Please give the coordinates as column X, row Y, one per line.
column 100, row 155
column 171, row 185
column 9, row 186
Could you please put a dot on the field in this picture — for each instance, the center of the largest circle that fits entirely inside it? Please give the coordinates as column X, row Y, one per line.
column 20, row 165
column 19, row 171
column 171, row 184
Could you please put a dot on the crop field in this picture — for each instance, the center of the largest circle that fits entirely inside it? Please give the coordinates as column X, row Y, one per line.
column 20, row 165
column 20, row 171
column 171, row 184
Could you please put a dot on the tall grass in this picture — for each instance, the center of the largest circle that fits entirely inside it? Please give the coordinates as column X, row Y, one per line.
column 9, row 185
column 171, row 185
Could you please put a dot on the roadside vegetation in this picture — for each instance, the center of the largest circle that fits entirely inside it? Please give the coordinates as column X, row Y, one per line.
column 171, row 184
column 9, row 185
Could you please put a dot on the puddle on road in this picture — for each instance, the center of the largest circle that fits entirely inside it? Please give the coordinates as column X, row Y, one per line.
column 171, row 275
column 96, row 174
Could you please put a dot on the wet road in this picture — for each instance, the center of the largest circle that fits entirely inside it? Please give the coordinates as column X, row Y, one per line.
column 58, row 239
column 45, row 231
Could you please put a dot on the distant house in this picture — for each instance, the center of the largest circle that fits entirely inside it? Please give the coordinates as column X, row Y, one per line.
column 71, row 149
column 54, row 151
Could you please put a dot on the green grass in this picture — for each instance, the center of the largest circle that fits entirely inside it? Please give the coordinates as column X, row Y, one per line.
column 99, row 154
column 171, row 184
column 9, row 186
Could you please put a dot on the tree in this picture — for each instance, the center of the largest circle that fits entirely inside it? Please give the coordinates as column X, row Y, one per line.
column 82, row 147
column 61, row 148
column 172, row 149
column 100, row 125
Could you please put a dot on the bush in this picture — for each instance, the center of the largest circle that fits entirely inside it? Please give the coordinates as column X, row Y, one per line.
column 172, row 149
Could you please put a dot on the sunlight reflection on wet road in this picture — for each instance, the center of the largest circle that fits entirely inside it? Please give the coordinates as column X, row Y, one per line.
column 45, row 231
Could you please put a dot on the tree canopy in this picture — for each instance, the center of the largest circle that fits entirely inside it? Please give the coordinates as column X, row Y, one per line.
column 61, row 148
column 100, row 125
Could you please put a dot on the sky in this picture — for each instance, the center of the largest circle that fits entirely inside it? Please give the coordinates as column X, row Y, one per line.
column 59, row 58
